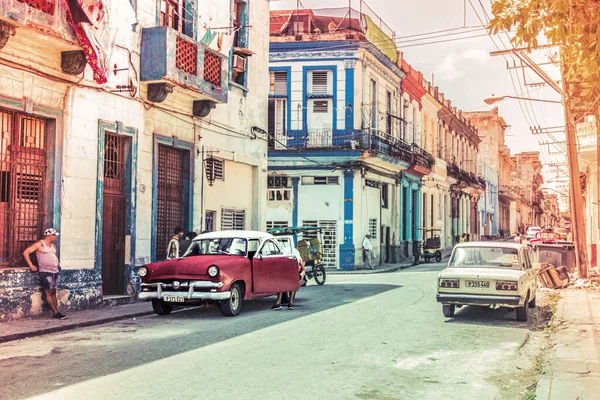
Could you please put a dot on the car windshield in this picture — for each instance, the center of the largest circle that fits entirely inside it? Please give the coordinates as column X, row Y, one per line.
column 487, row 257
column 230, row 246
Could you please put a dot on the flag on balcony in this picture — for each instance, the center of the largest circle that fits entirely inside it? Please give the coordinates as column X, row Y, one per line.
column 47, row 6
column 89, row 21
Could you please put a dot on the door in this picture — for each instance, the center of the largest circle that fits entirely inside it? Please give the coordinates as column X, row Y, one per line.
column 274, row 272
column 114, row 207
column 388, row 246
column 170, row 202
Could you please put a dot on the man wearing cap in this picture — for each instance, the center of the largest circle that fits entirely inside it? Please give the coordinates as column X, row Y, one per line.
column 367, row 252
column 48, row 269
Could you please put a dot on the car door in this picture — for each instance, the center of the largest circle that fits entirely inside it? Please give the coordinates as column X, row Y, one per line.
column 531, row 274
column 272, row 271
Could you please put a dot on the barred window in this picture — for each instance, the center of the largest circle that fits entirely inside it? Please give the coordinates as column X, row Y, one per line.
column 373, row 228
column 233, row 219
column 277, row 182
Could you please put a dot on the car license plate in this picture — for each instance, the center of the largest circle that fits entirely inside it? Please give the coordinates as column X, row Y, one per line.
column 477, row 284
column 175, row 299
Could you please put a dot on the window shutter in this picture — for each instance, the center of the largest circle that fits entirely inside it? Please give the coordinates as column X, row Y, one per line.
column 279, row 83
column 319, row 82
column 233, row 219
column 320, row 106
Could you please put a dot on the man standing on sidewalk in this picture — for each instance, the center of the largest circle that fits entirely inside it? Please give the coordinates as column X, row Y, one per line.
column 367, row 252
column 48, row 268
column 173, row 247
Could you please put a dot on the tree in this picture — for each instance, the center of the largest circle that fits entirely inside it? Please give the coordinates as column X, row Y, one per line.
column 573, row 25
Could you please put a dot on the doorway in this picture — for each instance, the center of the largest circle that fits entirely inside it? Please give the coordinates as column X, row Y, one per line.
column 114, row 210
column 170, row 202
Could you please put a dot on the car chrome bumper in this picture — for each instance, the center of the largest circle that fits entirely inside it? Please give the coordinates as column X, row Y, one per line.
column 191, row 294
column 480, row 300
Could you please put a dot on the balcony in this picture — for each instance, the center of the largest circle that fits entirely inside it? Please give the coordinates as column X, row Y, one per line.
column 170, row 59
column 372, row 141
column 42, row 30
column 465, row 179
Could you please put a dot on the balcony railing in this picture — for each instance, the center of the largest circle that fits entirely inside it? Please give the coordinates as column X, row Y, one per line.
column 465, row 177
column 170, row 57
column 369, row 140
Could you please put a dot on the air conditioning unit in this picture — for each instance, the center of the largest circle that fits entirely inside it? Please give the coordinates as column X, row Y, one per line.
column 239, row 63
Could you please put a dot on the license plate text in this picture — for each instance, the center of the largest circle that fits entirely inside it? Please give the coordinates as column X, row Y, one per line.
column 175, row 299
column 481, row 284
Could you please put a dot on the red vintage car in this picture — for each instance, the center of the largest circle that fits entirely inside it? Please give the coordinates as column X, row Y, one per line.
column 226, row 267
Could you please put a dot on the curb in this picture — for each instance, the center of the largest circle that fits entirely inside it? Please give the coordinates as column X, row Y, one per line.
column 70, row 327
column 371, row 272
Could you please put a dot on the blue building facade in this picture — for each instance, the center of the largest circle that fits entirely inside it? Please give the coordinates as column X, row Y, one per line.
column 337, row 158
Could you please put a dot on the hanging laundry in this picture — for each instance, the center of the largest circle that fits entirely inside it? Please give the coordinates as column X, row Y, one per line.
column 208, row 37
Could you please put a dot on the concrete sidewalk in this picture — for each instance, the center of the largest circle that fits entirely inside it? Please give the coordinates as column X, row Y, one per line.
column 29, row 327
column 571, row 368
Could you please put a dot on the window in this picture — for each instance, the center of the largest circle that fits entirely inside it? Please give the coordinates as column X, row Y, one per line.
column 373, row 228
column 233, row 219
column 388, row 124
column 320, row 82
column 209, row 221
column 276, row 224
column 384, row 195
column 23, row 176
column 270, row 249
column 321, row 106
column 373, row 104
column 371, row 183
column 215, row 169
column 239, row 59
column 320, row 180
column 278, row 188
column 278, row 83
column 176, row 14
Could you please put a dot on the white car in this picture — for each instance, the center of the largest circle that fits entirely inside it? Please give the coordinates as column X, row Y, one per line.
column 531, row 232
column 498, row 274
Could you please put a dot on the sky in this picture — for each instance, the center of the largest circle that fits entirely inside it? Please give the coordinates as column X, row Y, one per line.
column 465, row 71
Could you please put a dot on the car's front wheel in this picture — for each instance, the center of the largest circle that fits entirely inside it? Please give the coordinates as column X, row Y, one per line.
column 160, row 307
column 233, row 305
column 522, row 312
column 448, row 310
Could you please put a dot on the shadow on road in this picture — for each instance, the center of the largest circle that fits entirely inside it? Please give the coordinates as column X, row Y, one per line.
column 122, row 345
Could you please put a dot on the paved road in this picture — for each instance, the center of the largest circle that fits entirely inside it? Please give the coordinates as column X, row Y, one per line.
column 379, row 336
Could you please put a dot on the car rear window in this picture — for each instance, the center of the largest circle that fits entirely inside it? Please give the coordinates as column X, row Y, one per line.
column 485, row 257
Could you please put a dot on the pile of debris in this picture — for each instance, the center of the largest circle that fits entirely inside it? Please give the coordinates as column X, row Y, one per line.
column 592, row 283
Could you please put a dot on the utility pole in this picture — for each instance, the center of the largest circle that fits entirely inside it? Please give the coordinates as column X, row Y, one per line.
column 577, row 208
column 576, row 201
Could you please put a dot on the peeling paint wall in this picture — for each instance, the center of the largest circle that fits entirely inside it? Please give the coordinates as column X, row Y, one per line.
column 77, row 106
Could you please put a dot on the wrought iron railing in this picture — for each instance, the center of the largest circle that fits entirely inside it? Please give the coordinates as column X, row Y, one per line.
column 370, row 140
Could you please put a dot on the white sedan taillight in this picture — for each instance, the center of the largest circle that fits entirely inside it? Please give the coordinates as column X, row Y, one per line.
column 507, row 285
column 449, row 283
